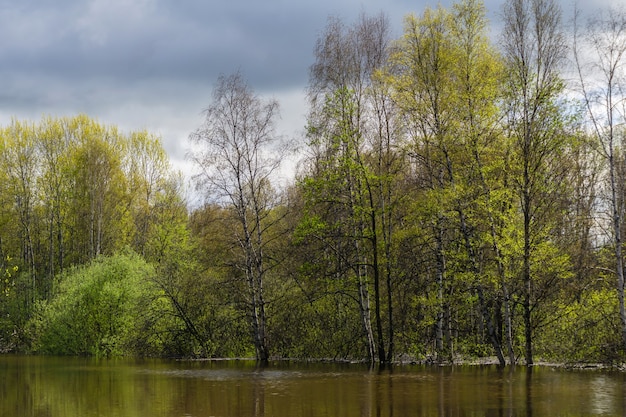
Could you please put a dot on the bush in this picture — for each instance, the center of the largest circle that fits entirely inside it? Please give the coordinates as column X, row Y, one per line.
column 99, row 309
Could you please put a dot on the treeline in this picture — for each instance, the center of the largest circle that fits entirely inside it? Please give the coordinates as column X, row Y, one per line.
column 456, row 199
column 75, row 191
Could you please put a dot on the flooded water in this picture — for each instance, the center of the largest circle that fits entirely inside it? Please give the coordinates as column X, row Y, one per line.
column 69, row 387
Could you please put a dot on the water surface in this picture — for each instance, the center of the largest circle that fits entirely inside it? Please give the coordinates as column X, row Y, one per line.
column 72, row 387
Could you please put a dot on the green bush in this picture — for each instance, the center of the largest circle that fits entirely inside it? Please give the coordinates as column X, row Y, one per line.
column 99, row 309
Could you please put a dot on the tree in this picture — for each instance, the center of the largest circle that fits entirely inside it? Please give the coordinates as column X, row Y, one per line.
column 52, row 144
column 19, row 160
column 100, row 199
column 147, row 170
column 206, row 287
column 534, row 49
column 479, row 74
column 353, row 135
column 422, row 64
column 237, row 156
column 433, row 84
column 600, row 59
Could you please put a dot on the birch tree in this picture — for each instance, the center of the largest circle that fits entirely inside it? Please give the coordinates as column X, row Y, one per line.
column 479, row 72
column 534, row 49
column 600, row 56
column 237, row 154
column 352, row 138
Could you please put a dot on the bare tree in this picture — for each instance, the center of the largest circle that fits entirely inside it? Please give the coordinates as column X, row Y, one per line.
column 601, row 60
column 236, row 159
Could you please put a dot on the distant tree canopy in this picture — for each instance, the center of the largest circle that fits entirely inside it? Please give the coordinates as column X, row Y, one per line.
column 75, row 189
column 453, row 200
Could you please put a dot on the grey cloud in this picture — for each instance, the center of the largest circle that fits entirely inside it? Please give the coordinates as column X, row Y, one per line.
column 190, row 40
column 152, row 63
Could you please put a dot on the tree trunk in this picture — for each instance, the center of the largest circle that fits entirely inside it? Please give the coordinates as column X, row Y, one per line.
column 380, row 339
column 508, row 323
column 364, row 304
column 440, row 271
column 487, row 318
column 617, row 230
column 528, row 347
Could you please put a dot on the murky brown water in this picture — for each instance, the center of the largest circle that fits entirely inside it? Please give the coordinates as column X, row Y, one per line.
column 72, row 387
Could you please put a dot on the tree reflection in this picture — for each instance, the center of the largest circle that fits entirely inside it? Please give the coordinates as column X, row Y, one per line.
column 529, row 391
column 258, row 402
column 70, row 387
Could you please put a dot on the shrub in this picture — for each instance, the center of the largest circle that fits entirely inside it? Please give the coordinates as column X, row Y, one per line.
column 97, row 309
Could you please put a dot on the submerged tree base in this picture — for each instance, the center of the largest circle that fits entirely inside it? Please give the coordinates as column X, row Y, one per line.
column 406, row 360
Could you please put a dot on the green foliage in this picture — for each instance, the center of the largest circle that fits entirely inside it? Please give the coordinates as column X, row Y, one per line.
column 588, row 330
column 15, row 310
column 75, row 189
column 7, row 276
column 450, row 205
column 98, row 309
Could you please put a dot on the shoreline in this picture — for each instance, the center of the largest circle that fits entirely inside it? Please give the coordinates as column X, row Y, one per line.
column 487, row 361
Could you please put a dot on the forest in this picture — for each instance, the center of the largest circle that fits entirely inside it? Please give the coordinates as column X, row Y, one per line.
column 457, row 197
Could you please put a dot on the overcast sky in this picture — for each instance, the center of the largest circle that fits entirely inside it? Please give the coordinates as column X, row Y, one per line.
column 152, row 64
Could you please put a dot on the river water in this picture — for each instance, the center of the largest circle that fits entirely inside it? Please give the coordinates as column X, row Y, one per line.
column 71, row 387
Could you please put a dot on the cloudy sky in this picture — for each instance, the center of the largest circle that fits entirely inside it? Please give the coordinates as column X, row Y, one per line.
column 152, row 64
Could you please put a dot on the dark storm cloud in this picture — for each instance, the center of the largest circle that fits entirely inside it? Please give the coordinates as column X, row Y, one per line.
column 131, row 41
column 147, row 64
column 120, row 43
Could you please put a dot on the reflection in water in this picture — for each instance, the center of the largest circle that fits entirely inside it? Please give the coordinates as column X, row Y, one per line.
column 441, row 393
column 390, row 394
column 258, row 394
column 65, row 387
column 503, row 392
column 602, row 394
column 529, row 391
